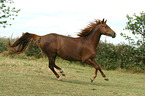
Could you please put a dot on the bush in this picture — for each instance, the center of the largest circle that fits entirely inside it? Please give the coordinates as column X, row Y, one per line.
column 3, row 44
column 34, row 50
column 107, row 55
column 125, row 56
column 122, row 56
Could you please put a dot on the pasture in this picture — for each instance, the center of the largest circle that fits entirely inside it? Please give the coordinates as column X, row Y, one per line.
column 29, row 77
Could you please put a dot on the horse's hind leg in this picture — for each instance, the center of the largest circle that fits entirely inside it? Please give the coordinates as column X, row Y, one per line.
column 60, row 70
column 52, row 65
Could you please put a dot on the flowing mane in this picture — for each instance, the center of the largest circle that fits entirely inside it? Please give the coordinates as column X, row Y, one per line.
column 89, row 28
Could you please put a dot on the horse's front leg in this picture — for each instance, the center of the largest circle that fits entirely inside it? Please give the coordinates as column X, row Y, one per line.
column 93, row 63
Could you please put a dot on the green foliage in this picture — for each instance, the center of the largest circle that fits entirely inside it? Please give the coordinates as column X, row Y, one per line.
column 119, row 56
column 136, row 25
column 3, row 44
column 107, row 55
column 34, row 50
column 7, row 11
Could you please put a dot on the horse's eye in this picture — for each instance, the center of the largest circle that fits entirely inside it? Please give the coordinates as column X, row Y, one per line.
column 106, row 26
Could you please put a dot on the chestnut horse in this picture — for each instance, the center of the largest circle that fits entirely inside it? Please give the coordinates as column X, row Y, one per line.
column 82, row 49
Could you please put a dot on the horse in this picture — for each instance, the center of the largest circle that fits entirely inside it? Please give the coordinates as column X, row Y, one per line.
column 82, row 48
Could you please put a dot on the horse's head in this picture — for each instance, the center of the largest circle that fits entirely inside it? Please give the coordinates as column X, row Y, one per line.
column 106, row 30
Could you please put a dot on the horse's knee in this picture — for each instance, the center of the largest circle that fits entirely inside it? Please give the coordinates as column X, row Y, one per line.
column 97, row 67
column 50, row 66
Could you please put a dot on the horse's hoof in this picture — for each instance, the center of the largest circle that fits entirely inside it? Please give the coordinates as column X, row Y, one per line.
column 59, row 79
column 63, row 74
column 91, row 80
column 106, row 79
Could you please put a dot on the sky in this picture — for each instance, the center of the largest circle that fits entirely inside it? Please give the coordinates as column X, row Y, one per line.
column 68, row 17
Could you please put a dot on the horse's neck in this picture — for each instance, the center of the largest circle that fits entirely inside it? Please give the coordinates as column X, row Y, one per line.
column 94, row 37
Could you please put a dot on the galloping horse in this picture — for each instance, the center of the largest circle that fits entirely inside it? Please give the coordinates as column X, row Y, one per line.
column 82, row 49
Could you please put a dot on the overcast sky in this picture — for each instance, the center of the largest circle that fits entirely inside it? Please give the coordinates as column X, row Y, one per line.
column 68, row 17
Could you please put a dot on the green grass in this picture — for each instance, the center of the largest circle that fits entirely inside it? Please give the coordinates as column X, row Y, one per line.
column 25, row 77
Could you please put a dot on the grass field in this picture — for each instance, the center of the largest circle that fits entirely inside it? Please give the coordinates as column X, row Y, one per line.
column 27, row 77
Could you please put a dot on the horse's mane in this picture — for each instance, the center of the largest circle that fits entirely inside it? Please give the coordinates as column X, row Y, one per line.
column 86, row 31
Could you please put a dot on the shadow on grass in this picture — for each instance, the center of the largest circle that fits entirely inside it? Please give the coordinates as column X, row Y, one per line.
column 86, row 82
column 73, row 81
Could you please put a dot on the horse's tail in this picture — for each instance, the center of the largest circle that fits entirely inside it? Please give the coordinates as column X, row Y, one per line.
column 21, row 44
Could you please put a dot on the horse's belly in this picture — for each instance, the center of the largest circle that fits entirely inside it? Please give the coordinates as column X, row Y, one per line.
column 70, row 56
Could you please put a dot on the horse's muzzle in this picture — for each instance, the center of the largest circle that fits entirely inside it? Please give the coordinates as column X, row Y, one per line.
column 113, row 34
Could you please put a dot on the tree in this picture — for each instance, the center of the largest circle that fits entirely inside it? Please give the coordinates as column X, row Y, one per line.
column 7, row 11
column 136, row 25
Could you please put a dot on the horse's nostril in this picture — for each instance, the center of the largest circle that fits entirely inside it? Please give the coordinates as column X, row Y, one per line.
column 115, row 34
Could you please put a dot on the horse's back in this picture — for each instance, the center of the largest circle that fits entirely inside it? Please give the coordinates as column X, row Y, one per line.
column 48, row 43
column 66, row 47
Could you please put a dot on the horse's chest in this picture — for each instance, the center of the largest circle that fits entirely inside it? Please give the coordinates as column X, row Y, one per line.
column 88, row 53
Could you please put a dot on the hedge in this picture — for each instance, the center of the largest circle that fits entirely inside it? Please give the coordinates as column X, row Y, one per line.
column 109, row 56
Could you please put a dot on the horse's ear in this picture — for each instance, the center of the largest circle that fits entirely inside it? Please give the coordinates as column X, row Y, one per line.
column 98, row 22
column 105, row 21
